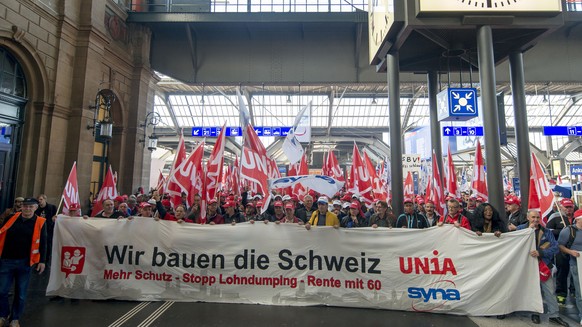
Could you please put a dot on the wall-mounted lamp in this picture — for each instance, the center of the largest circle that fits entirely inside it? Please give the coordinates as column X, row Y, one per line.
column 102, row 120
column 151, row 119
column 288, row 99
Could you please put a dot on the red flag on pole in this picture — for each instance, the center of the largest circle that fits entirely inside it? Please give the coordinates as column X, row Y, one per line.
column 161, row 183
column 254, row 163
column 378, row 191
column 173, row 189
column 541, row 187
column 333, row 168
column 437, row 196
column 452, row 186
column 108, row 191
column 213, row 177
column 362, row 183
column 71, row 191
column 189, row 176
column 559, row 180
column 409, row 186
column 479, row 182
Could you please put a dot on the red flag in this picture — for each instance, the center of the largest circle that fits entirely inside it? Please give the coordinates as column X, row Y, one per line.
column 324, row 167
column 173, row 189
column 254, row 164
column 235, row 178
column 333, row 168
column 213, row 177
column 188, row 176
column 362, row 183
column 559, row 180
column 437, row 196
column 541, row 188
column 409, row 186
column 161, row 183
column 378, row 191
column 108, row 191
column 479, row 182
column 71, row 191
column 451, row 176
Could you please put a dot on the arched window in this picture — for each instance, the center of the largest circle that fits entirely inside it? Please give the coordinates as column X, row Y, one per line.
column 12, row 81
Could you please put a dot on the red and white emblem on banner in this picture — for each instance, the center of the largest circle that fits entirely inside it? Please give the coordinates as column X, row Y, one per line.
column 72, row 260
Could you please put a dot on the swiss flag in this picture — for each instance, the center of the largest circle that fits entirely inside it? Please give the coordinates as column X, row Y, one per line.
column 108, row 191
column 299, row 169
column 479, row 182
column 539, row 191
column 71, row 191
column 409, row 186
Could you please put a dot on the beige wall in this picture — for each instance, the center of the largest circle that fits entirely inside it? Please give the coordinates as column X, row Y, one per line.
column 69, row 50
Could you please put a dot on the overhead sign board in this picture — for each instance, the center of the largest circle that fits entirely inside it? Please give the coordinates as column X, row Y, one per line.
column 199, row 131
column 562, row 130
column 456, row 104
column 462, row 131
column 575, row 170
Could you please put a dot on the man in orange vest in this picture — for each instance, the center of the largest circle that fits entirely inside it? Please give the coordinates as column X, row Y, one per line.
column 22, row 245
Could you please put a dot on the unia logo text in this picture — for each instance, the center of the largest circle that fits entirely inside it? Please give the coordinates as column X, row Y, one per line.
column 72, row 260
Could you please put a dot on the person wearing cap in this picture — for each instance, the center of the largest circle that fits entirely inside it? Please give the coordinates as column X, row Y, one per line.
column 411, row 218
column 75, row 211
column 231, row 216
column 250, row 211
column 432, row 217
column 570, row 243
column 108, row 210
column 212, row 215
column 454, row 215
column 556, row 223
column 17, row 207
column 304, row 213
column 278, row 214
column 289, row 217
column 383, row 216
column 23, row 240
column 337, row 207
column 354, row 217
column 323, row 217
column 546, row 248
column 117, row 201
column 515, row 217
column 146, row 209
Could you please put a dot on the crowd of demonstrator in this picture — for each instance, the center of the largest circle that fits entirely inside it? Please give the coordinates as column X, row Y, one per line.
column 26, row 229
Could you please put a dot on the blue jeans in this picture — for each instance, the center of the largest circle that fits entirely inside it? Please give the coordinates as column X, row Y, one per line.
column 17, row 270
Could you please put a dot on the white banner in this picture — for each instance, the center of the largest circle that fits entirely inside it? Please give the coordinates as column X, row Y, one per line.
column 411, row 163
column 319, row 183
column 440, row 269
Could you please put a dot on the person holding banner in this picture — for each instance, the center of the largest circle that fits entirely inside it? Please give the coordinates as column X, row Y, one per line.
column 212, row 215
column 557, row 222
column 432, row 217
column 109, row 210
column 411, row 218
column 546, row 248
column 180, row 211
column 22, row 245
column 290, row 215
column 570, row 244
column 304, row 213
column 231, row 216
column 323, row 217
column 454, row 216
column 486, row 220
column 383, row 217
column 354, row 217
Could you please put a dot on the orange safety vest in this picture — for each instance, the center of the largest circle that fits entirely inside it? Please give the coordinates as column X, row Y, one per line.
column 35, row 248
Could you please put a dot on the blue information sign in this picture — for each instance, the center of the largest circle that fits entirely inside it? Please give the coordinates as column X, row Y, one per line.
column 462, row 131
column 457, row 104
column 575, row 170
column 562, row 130
column 237, row 131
